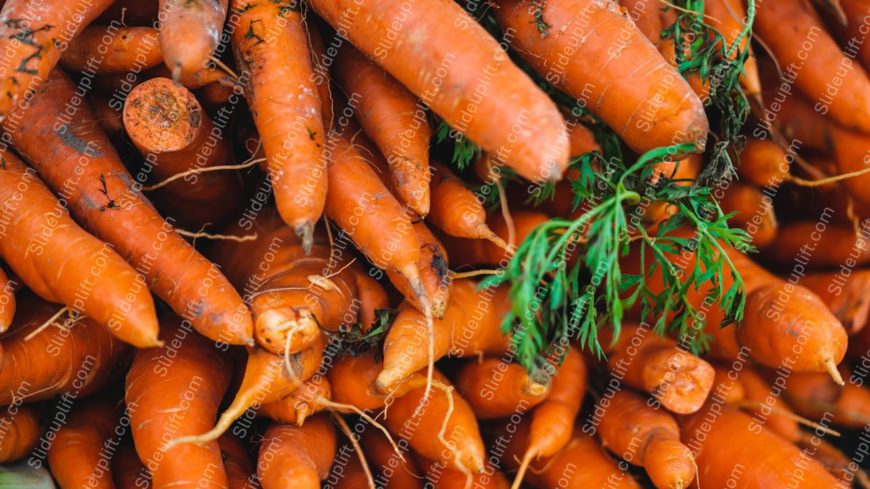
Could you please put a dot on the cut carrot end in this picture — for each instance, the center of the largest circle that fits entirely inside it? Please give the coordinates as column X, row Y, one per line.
column 176, row 73
column 535, row 389
column 831, row 367
column 305, row 231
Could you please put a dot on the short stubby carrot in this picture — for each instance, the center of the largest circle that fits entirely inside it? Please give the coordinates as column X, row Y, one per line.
column 21, row 431
column 82, row 448
column 78, row 162
column 297, row 456
column 126, row 49
column 271, row 48
column 515, row 121
column 190, row 30
column 642, row 97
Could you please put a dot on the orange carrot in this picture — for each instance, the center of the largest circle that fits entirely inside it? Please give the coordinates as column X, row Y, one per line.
column 167, row 401
column 297, row 456
column 727, row 385
column 729, row 18
column 76, row 160
column 763, row 163
column 481, row 252
column 433, row 270
column 858, row 16
column 169, row 127
column 515, row 120
column 301, row 403
column 815, row 396
column 648, row 437
column 351, row 476
column 618, row 92
column 19, row 432
column 107, row 116
column 7, row 299
column 441, row 477
column 128, row 471
column 62, row 263
column 126, row 49
column 753, row 212
column 130, row 12
column 81, row 450
column 352, row 379
column 769, row 407
column 237, row 462
column 847, row 294
column 837, row 463
column 190, row 30
column 496, row 389
column 271, row 46
column 76, row 359
column 723, row 438
column 788, row 24
column 645, row 15
column 818, row 246
column 392, row 472
column 392, row 118
column 33, row 36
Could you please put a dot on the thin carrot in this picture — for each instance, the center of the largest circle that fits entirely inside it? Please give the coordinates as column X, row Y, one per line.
column 442, row 477
column 189, row 32
column 7, row 299
column 769, row 405
column 76, row 160
column 128, row 471
column 271, row 46
column 237, row 463
column 729, row 18
column 372, row 297
column 20, row 432
column 815, row 396
column 297, row 456
column 616, row 91
column 300, row 404
column 496, row 389
column 753, row 212
column 126, row 49
column 433, row 270
column 79, row 456
column 174, row 400
column 481, row 252
column 393, row 471
column 33, row 36
column 820, row 245
column 763, row 163
column 392, row 118
column 847, row 294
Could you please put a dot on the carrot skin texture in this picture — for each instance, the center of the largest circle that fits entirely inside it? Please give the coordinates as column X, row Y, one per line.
column 857, row 13
column 434, row 273
column 849, row 301
column 591, row 75
column 496, row 389
column 294, row 457
column 645, row 15
column 516, row 120
column 104, row 197
column 271, row 48
column 391, row 117
column 456, row 210
column 237, row 463
column 301, row 403
column 763, row 163
column 21, row 433
column 190, row 31
column 129, row 48
column 33, row 36
column 836, row 246
column 79, row 447
column 757, row 389
column 7, row 298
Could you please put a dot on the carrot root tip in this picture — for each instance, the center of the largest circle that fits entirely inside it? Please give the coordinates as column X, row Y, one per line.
column 831, row 367
column 305, row 231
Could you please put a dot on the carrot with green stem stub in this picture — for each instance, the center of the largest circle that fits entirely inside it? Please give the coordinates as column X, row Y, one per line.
column 7, row 300
column 495, row 388
column 20, row 429
column 77, row 161
column 190, row 30
column 297, row 456
column 271, row 48
column 126, row 49
column 81, row 450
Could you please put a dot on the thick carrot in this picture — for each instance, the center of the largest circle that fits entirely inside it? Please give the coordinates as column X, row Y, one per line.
column 78, row 162
column 62, row 263
column 679, row 380
column 174, row 134
column 723, row 438
column 297, row 456
column 392, row 118
column 471, row 325
column 128, row 471
column 727, row 385
column 819, row 246
column 434, row 273
column 190, row 30
column 645, row 15
column 648, row 437
column 351, row 476
column 847, row 294
column 167, row 401
column 836, row 86
column 301, row 403
column 393, row 471
column 763, row 163
column 753, row 212
column 19, row 431
column 442, row 477
column 271, row 48
column 640, row 96
column 858, row 16
column 7, row 300
column 76, row 360
column 126, row 49
column 352, row 379
column 82, row 449
column 130, row 12
column 769, row 406
column 33, row 36
column 482, row 252
column 515, row 120
column 237, row 463
column 729, row 18
column 815, row 396
column 372, row 297
column 496, row 389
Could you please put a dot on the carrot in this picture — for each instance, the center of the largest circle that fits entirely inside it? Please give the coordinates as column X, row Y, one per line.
column 33, row 36
column 753, row 210
column 617, row 92
column 170, row 128
column 19, row 432
column 433, row 270
column 62, row 263
column 82, row 449
column 837, row 463
column 393, row 470
column 204, row 77
column 237, row 463
column 515, row 120
column 645, row 15
column 351, row 476
column 496, row 389
column 128, row 471
column 74, row 359
column 723, row 438
column 170, row 401
column 108, row 116
column 727, row 386
column 189, row 32
column 481, row 252
column 443, row 429
column 7, row 299
column 784, row 26
column 441, row 477
column 818, row 245
column 102, row 194
column 679, row 380
column 847, row 294
column 126, row 49
column 647, row 437
column 815, row 396
column 392, row 118
column 729, row 18
column 297, row 456
column 763, row 163
column 372, row 297
column 130, row 12
column 858, row 16
column 271, row 46
column 300, row 404
column 770, row 411
column 471, row 325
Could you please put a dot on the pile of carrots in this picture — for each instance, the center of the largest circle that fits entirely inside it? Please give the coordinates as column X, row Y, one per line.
column 236, row 252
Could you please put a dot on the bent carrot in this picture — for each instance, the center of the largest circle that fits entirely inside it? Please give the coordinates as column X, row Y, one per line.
column 815, row 396
column 19, row 432
column 300, row 404
column 170, row 401
column 297, row 456
column 753, row 210
column 515, row 121
column 189, row 32
column 495, row 388
column 820, row 246
column 620, row 92
column 847, row 294
column 271, row 45
column 33, row 36
column 128, row 471
column 7, row 299
column 391, row 117
column 81, row 450
column 763, row 163
column 76, row 160
column 126, row 49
